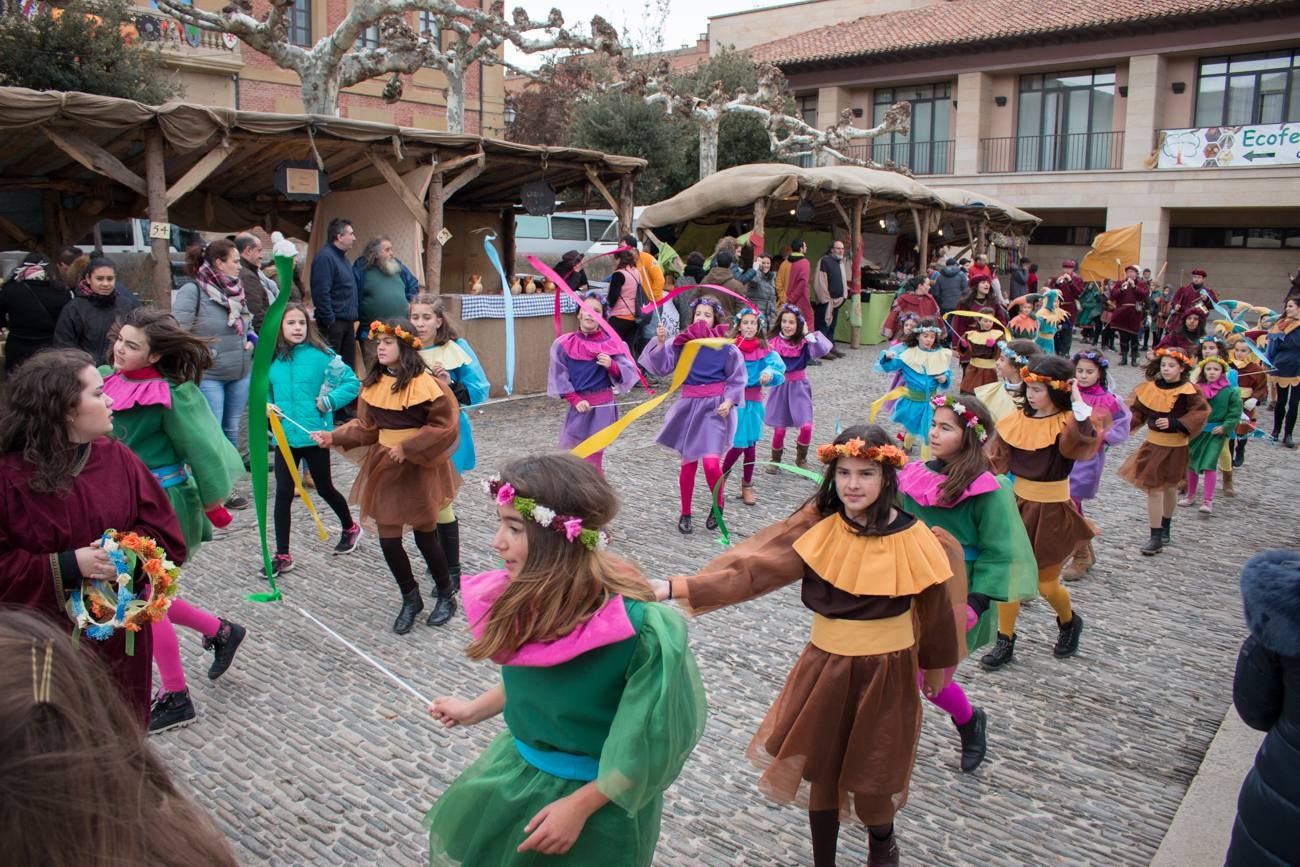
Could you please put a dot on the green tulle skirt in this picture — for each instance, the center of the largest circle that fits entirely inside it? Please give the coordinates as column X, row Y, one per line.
column 479, row 821
column 189, row 513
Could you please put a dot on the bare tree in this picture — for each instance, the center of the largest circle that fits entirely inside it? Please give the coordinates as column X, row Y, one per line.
column 336, row 61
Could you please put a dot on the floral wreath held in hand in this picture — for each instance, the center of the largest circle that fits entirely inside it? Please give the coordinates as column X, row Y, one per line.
column 397, row 331
column 569, row 525
column 946, row 401
column 102, row 607
column 857, row 448
column 1055, row 384
column 1166, row 352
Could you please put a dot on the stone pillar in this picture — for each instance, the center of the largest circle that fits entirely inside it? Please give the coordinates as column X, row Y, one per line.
column 1148, row 86
column 974, row 97
column 830, row 102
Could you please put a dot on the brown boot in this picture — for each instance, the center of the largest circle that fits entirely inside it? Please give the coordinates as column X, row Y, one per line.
column 1080, row 563
column 747, row 495
column 776, row 459
column 801, row 455
column 882, row 853
column 1228, row 489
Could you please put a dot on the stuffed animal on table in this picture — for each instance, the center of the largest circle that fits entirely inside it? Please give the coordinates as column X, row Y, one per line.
column 475, row 284
column 530, row 288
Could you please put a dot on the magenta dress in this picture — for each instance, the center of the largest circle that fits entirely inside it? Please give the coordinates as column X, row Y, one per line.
column 575, row 376
column 790, row 403
column 693, row 427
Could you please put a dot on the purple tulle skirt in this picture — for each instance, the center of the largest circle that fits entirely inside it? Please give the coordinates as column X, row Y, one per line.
column 1085, row 478
column 580, row 425
column 694, row 429
column 789, row 404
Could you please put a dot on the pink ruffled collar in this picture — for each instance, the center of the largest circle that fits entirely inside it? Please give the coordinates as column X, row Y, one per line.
column 1095, row 395
column 609, row 625
column 1210, row 389
column 922, row 484
column 785, row 348
column 585, row 347
column 128, row 392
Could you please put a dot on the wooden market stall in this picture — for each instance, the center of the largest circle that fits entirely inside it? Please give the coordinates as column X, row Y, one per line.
column 72, row 159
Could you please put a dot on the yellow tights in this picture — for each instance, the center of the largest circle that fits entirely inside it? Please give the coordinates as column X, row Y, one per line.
column 1051, row 589
column 910, row 439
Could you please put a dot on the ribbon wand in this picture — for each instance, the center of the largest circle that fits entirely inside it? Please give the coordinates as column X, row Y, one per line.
column 367, row 657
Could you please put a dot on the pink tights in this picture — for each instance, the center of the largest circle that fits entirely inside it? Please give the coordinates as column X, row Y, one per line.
column 686, row 480
column 805, row 436
column 1211, row 481
column 751, row 455
column 597, row 460
column 952, row 698
column 166, row 649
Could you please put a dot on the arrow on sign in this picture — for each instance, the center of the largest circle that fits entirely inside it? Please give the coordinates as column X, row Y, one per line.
column 1259, row 155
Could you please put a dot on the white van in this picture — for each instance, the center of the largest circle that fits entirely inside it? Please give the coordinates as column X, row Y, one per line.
column 550, row 237
column 132, row 236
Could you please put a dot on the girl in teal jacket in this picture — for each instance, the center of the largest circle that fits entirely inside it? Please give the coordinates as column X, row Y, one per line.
column 307, row 383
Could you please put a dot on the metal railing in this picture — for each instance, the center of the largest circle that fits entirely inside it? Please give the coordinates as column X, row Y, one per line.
column 922, row 157
column 1084, row 151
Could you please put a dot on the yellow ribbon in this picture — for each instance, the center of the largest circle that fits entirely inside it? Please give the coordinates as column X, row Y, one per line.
column 277, row 431
column 884, row 399
column 975, row 314
column 606, row 435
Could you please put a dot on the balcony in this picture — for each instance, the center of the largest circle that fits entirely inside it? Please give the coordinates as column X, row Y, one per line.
column 186, row 46
column 1076, row 152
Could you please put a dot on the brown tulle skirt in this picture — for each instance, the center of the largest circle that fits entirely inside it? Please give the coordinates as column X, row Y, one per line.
column 406, row 494
column 1155, row 468
column 842, row 724
column 974, row 377
column 1054, row 530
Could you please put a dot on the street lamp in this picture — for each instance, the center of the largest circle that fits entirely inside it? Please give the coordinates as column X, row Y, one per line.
column 509, row 115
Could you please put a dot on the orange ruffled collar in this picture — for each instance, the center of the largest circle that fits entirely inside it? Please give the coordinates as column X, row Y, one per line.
column 899, row 564
column 421, row 389
column 1159, row 399
column 1031, row 433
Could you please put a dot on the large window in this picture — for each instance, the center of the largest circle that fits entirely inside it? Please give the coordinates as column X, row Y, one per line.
column 927, row 147
column 1250, row 239
column 1066, row 236
column 1065, row 121
column 1249, row 88
column 807, row 108
column 369, row 37
column 429, row 23
column 300, row 23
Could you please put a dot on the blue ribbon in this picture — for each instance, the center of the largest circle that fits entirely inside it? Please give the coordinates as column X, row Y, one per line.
column 509, row 303
column 566, row 766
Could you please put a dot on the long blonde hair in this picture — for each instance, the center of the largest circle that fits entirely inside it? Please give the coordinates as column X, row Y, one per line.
column 561, row 583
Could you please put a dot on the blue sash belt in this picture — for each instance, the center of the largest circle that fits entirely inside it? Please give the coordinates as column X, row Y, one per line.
column 171, row 476
column 970, row 552
column 566, row 766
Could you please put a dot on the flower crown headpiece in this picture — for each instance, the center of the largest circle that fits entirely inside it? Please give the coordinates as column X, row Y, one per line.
column 792, row 308
column 718, row 312
column 748, row 311
column 1054, row 384
column 397, row 331
column 858, row 448
column 569, row 525
column 963, row 412
column 1010, row 354
column 933, row 329
column 1213, row 359
column 1091, row 355
column 1166, row 352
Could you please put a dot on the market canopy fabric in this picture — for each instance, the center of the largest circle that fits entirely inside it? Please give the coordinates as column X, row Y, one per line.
column 998, row 215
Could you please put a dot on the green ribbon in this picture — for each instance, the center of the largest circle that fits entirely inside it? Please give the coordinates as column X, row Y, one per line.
column 259, row 385
column 724, row 535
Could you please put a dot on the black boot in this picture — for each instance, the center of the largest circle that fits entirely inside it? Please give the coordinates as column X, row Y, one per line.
column 412, row 605
column 1165, row 524
column 449, row 539
column 882, row 852
column 223, row 646
column 1155, row 543
column 684, row 525
column 711, row 523
column 1001, row 653
column 1067, row 641
column 974, row 740
column 443, row 608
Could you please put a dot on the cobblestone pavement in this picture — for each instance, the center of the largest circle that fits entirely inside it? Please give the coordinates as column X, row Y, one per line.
column 306, row 755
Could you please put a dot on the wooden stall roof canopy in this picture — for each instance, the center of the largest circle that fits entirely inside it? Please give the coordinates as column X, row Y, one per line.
column 219, row 161
column 731, row 194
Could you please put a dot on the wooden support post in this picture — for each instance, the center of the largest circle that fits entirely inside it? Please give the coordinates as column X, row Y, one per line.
column 624, row 208
column 595, row 181
column 855, row 264
column 53, row 226
column 432, row 227
column 198, row 173
column 398, row 186
column 156, row 181
column 922, row 240
column 760, row 219
column 95, row 158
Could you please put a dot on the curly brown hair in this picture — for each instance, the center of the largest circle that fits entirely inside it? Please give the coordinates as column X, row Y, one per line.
column 41, row 394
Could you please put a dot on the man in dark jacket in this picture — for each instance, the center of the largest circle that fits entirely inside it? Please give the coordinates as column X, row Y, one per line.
column 1019, row 279
column 256, row 291
column 1071, row 287
column 949, row 286
column 720, row 275
column 334, row 290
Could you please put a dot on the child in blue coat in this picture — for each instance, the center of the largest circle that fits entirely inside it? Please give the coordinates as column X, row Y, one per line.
column 308, row 382
column 763, row 367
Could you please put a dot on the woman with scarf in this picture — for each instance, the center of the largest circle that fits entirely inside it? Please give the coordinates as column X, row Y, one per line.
column 212, row 306
column 84, row 322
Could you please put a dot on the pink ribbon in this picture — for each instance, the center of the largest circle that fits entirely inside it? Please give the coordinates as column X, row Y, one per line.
column 561, row 286
column 669, row 296
column 559, row 323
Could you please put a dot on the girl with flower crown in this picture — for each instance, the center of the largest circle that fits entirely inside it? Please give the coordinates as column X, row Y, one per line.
column 602, row 700
column 957, row 491
column 925, row 368
column 1252, row 381
column 409, row 422
column 789, row 404
column 587, row 370
column 1205, row 450
column 701, row 425
column 1173, row 411
column 453, row 362
column 1092, row 375
column 1039, row 445
column 1002, row 397
column 160, row 414
column 763, row 367
column 882, row 587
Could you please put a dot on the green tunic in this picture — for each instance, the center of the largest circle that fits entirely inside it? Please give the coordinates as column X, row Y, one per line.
column 1000, row 561
column 187, row 433
column 637, row 706
column 1204, row 449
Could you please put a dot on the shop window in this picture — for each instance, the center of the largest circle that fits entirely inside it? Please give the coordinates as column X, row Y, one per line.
column 1066, row 236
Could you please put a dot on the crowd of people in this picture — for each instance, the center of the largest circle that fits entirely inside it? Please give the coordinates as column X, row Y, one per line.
column 917, row 548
